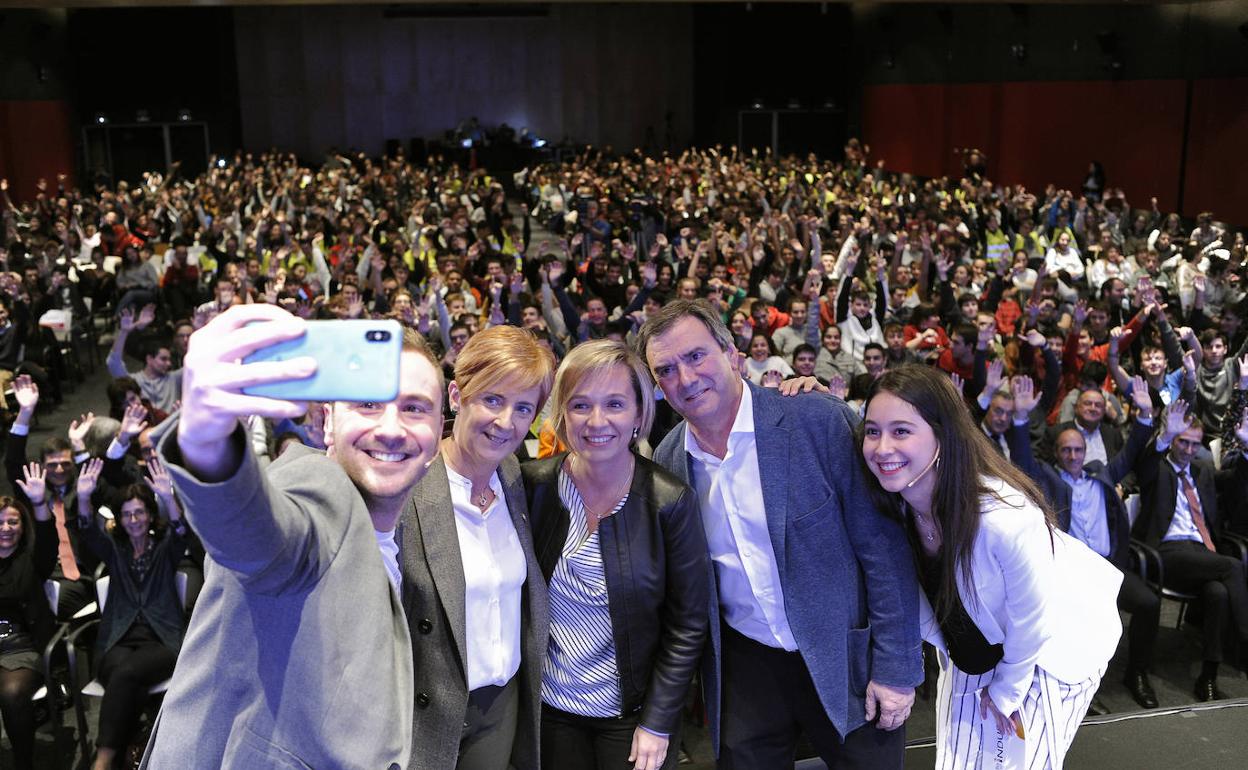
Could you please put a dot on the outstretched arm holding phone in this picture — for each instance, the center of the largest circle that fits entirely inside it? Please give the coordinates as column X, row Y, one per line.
column 213, row 380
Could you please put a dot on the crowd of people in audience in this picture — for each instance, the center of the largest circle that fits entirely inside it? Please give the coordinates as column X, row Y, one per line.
column 1100, row 347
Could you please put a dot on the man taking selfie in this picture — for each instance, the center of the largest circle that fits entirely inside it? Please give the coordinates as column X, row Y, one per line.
column 298, row 652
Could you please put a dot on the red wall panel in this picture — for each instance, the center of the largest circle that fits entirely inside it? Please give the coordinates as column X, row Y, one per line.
column 1036, row 133
column 1217, row 151
column 35, row 141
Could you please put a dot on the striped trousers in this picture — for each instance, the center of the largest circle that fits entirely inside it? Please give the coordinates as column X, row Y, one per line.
column 1051, row 713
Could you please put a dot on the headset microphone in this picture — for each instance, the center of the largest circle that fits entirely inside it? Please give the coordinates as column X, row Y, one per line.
column 923, row 473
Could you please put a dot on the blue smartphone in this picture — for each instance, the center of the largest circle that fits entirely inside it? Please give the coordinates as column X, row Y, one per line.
column 355, row 361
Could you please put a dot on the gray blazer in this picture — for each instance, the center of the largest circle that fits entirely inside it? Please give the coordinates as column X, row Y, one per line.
column 298, row 653
column 846, row 570
column 433, row 596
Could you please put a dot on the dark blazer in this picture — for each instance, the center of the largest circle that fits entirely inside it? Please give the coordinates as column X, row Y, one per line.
column 14, row 460
column 655, row 560
column 156, row 598
column 1059, row 494
column 433, row 597
column 852, row 604
column 1159, row 489
column 1110, row 434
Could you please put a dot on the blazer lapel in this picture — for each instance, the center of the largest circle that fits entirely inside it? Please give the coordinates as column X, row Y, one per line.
column 437, row 538
column 772, row 442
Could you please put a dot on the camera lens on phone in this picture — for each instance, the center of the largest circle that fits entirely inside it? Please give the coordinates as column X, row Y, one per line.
column 377, row 335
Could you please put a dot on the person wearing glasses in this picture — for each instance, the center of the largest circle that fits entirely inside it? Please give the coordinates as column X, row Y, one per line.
column 74, row 565
column 143, row 621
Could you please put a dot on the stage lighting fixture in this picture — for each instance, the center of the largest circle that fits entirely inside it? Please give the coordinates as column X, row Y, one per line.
column 184, row 114
column 142, row 116
column 100, row 118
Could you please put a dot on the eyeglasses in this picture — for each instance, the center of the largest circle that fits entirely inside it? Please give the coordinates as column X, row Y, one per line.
column 132, row 515
column 58, row 463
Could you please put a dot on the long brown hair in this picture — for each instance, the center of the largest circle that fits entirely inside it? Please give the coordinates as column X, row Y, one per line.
column 967, row 458
column 24, row 543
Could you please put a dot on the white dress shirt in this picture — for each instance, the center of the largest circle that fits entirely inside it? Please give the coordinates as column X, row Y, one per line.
column 1095, row 445
column 999, row 439
column 731, row 495
column 1088, row 522
column 494, row 573
column 1181, row 525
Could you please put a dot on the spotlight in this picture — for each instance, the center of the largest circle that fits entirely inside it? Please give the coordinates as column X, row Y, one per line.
column 184, row 114
column 100, row 118
column 794, row 103
column 756, row 103
column 142, row 116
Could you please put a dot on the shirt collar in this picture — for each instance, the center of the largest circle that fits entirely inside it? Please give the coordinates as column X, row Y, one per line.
column 1083, row 474
column 1181, row 471
column 743, row 423
column 466, row 482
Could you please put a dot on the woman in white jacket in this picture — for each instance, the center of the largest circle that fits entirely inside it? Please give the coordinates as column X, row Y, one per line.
column 1023, row 616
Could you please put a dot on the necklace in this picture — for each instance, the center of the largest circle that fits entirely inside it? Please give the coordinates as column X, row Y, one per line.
column 613, row 496
column 930, row 534
column 484, row 499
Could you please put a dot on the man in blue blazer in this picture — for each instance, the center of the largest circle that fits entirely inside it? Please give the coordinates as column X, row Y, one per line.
column 1084, row 495
column 814, row 601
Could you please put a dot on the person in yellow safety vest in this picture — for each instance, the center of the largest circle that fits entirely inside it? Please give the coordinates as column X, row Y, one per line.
column 1030, row 240
column 996, row 242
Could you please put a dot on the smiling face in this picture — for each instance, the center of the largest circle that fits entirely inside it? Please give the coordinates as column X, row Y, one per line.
column 1090, row 409
column 897, row 446
column 832, row 339
column 59, row 467
column 492, row 423
column 601, row 415
column 10, row 531
column 759, row 349
column 804, row 363
column 385, row 448
column 135, row 519
column 698, row 377
column 1153, row 362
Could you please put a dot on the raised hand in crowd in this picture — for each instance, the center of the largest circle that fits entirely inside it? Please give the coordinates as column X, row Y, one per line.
column 88, row 480
column 77, row 433
column 35, row 487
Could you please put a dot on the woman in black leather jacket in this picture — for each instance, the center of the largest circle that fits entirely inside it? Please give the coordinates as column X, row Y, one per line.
column 621, row 545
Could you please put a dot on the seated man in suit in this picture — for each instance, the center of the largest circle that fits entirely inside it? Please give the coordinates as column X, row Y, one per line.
column 1085, row 497
column 1179, row 516
column 1102, row 437
column 298, row 653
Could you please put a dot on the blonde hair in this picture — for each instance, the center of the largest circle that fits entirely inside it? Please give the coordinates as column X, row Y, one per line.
column 504, row 353
column 594, row 359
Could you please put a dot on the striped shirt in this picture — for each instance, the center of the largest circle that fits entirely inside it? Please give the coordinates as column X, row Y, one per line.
column 580, row 675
